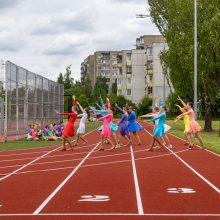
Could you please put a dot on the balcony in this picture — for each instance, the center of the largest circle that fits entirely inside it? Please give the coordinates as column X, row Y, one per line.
column 128, row 63
column 150, row 72
column 128, row 74
column 119, row 65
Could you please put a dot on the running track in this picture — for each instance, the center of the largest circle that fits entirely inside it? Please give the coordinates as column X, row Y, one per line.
column 126, row 183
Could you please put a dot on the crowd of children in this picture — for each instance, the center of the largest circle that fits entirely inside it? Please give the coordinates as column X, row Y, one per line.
column 50, row 132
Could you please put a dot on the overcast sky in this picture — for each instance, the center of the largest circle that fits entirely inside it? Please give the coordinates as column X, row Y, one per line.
column 44, row 36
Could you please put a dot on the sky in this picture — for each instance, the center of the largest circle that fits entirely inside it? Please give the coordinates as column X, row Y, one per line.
column 45, row 36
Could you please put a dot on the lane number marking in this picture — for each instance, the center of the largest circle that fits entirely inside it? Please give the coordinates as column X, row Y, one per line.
column 180, row 190
column 94, row 198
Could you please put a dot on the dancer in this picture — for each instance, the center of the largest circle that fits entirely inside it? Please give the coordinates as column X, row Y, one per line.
column 82, row 125
column 158, row 133
column 123, row 124
column 187, row 132
column 133, row 126
column 195, row 127
column 69, row 129
column 106, row 130
column 104, row 111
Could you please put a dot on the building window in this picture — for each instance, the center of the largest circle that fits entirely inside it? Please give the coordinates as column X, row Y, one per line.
column 149, row 90
column 119, row 92
column 119, row 81
column 129, row 92
column 129, row 81
column 151, row 78
column 128, row 56
column 149, row 51
column 114, row 68
column 128, row 69
column 114, row 62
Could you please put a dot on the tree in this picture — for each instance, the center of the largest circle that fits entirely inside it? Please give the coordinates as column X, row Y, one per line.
column 114, row 88
column 144, row 106
column 68, row 80
column 60, row 79
column 175, row 22
column 101, row 88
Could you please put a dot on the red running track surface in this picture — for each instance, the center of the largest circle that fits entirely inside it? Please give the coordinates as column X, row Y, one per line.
column 88, row 184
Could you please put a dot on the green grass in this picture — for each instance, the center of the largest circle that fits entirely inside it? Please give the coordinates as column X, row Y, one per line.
column 23, row 144
column 211, row 139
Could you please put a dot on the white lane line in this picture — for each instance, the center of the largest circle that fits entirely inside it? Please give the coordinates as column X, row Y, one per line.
column 137, row 189
column 63, row 155
column 46, row 201
column 116, row 214
column 36, row 159
column 192, row 169
column 21, row 168
column 97, row 164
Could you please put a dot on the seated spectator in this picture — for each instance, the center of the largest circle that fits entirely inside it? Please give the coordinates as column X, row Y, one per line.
column 49, row 133
column 59, row 129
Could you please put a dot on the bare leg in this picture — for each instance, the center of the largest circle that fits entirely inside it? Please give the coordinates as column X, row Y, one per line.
column 115, row 139
column 102, row 140
column 186, row 139
column 84, row 140
column 167, row 141
column 200, row 139
column 137, row 138
column 190, row 140
column 67, row 140
column 152, row 144
column 64, row 143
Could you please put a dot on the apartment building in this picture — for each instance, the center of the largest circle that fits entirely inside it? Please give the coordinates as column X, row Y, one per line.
column 87, row 69
column 131, row 74
column 160, row 87
column 105, row 65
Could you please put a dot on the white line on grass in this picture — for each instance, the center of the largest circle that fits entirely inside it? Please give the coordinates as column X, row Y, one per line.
column 137, row 189
column 192, row 169
column 39, row 209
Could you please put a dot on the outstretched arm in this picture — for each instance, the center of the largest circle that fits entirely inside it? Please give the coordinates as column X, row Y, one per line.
column 150, row 115
column 109, row 104
column 81, row 108
column 180, row 108
column 119, row 108
column 155, row 118
column 98, row 105
column 177, row 118
column 183, row 103
column 102, row 118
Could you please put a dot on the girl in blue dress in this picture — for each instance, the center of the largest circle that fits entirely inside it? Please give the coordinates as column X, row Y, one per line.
column 123, row 124
column 159, row 132
column 133, row 126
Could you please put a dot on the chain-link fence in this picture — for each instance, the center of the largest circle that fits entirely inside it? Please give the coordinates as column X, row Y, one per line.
column 26, row 97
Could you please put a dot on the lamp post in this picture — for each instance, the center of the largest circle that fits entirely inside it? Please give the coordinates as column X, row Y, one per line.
column 195, row 59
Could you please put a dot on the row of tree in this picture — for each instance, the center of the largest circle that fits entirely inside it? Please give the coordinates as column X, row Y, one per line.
column 175, row 21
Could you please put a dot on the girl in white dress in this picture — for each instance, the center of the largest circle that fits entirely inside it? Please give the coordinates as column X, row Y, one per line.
column 82, row 125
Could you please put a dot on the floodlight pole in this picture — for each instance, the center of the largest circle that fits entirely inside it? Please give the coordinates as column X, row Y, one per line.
column 195, row 59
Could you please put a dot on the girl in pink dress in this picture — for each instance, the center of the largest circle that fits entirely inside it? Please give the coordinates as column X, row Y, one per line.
column 195, row 127
column 106, row 130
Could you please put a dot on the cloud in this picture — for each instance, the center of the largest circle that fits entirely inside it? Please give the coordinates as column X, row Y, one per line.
column 130, row 1
column 45, row 37
column 66, row 44
column 8, row 3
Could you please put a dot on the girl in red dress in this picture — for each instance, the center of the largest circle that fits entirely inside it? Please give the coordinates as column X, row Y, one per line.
column 69, row 128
